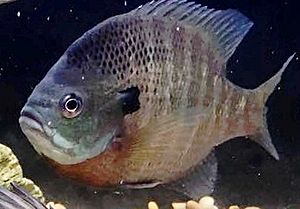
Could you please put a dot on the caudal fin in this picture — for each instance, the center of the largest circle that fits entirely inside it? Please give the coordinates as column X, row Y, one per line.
column 262, row 136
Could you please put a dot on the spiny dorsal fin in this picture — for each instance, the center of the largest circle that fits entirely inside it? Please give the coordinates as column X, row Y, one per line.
column 227, row 28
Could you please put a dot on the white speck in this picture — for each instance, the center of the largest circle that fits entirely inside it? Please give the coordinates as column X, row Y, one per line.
column 1, row 69
column 82, row 77
column 140, row 6
column 121, row 182
column 125, row 3
column 71, row 10
column 18, row 13
column 273, row 52
column 278, row 87
column 177, row 28
column 230, row 71
column 237, row 60
column 49, row 123
column 258, row 174
column 297, row 58
column 35, row 8
column 48, row 18
column 270, row 27
column 117, row 192
column 95, row 192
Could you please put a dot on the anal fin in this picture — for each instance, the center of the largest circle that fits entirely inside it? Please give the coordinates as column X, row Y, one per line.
column 200, row 181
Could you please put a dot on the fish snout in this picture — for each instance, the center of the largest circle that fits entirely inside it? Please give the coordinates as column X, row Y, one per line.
column 31, row 118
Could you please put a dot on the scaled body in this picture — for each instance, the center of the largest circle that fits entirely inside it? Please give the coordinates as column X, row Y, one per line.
column 142, row 98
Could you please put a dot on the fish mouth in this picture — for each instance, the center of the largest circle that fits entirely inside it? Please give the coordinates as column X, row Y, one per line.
column 31, row 119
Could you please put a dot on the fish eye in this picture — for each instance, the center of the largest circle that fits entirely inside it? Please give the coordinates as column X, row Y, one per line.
column 71, row 105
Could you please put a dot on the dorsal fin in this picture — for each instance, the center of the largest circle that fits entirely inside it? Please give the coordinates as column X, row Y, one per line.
column 227, row 28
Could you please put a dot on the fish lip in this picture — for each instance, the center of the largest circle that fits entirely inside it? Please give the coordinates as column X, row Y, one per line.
column 32, row 116
column 34, row 120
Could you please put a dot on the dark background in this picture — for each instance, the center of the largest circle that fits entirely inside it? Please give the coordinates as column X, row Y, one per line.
column 31, row 43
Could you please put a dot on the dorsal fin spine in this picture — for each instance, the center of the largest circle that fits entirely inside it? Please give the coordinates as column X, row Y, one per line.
column 210, row 20
column 183, row 9
column 190, row 12
column 219, row 22
column 174, row 10
column 192, row 8
column 204, row 15
column 168, row 5
column 225, row 28
column 160, row 3
column 221, row 25
column 195, row 15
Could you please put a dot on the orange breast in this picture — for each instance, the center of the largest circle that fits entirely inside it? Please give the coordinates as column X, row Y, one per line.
column 103, row 170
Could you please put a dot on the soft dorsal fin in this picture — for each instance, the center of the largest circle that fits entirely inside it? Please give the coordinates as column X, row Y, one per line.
column 227, row 28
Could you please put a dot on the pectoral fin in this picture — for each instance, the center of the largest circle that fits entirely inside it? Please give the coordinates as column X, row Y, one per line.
column 165, row 147
column 167, row 134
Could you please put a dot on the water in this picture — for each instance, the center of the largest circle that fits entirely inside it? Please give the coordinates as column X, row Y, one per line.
column 34, row 34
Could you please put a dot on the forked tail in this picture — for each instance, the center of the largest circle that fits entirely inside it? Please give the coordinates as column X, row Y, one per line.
column 262, row 136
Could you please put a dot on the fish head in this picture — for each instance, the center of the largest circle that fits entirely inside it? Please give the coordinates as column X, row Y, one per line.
column 71, row 116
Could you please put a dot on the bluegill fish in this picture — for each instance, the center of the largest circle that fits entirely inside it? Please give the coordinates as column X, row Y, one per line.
column 142, row 98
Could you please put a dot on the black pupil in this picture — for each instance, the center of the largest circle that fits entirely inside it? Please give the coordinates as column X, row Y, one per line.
column 71, row 105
